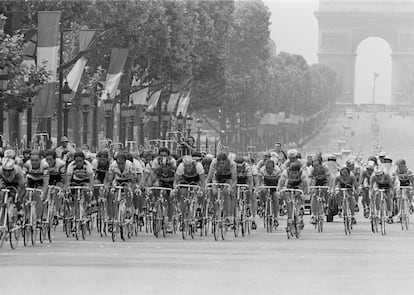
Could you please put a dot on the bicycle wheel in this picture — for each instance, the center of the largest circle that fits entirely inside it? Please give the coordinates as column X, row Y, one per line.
column 113, row 228
column 14, row 232
column 297, row 227
column 163, row 227
column 215, row 228
column 3, row 233
column 33, row 234
column 320, row 223
column 223, row 229
column 236, row 224
column 83, row 228
column 383, row 219
column 407, row 221
column 191, row 229
column 184, row 226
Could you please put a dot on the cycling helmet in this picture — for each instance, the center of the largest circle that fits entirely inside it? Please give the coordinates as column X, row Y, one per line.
column 295, row 166
column 292, row 153
column 187, row 160
column 374, row 159
column 239, row 160
column 79, row 155
column 379, row 170
column 232, row 156
column 382, row 154
column 209, row 156
column 8, row 165
column 331, row 157
column 164, row 149
column 10, row 154
column 401, row 162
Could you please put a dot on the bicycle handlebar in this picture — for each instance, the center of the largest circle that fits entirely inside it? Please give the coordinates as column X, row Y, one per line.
column 34, row 189
column 77, row 188
column 319, row 187
column 291, row 190
column 160, row 188
column 220, row 185
column 189, row 186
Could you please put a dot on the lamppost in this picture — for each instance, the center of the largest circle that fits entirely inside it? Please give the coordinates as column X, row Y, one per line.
column 199, row 122
column 131, row 123
column 243, row 136
column 180, row 122
column 4, row 80
column 155, row 118
column 85, row 103
column 189, row 122
column 108, row 105
column 124, row 122
column 66, row 93
column 165, row 117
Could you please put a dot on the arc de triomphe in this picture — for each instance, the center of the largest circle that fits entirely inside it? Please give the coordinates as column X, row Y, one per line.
column 343, row 25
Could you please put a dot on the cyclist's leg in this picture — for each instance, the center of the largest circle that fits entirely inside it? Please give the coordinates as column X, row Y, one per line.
column 365, row 199
column 182, row 195
column 388, row 202
column 275, row 200
column 227, row 204
column 314, row 206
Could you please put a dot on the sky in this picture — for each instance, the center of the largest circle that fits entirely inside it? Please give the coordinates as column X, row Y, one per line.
column 294, row 29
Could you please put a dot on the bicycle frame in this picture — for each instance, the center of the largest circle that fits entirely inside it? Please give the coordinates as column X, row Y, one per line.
column 293, row 226
column 218, row 208
column 346, row 211
column 320, row 200
column 78, row 204
column 159, row 220
column 404, row 206
column 268, row 217
column 189, row 216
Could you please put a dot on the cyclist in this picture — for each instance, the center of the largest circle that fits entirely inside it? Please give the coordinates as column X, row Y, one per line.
column 294, row 178
column 266, row 156
column 11, row 175
column 320, row 176
column 163, row 173
column 365, row 183
column 245, row 176
column 281, row 153
column 387, row 164
column 37, row 176
column 57, row 177
column 292, row 158
column 26, row 155
column 189, row 172
column 381, row 180
column 65, row 146
column 206, row 162
column 403, row 176
column 79, row 172
column 223, row 170
column 351, row 166
column 270, row 175
column 100, row 166
column 346, row 179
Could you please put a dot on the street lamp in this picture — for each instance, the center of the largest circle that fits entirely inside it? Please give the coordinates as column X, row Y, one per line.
column 180, row 122
column 199, row 122
column 4, row 80
column 165, row 117
column 125, row 118
column 189, row 122
column 67, row 101
column 108, row 105
column 155, row 119
column 85, row 104
column 228, row 131
column 132, row 112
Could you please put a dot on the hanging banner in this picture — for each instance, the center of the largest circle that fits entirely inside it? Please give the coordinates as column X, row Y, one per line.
column 47, row 57
column 116, row 65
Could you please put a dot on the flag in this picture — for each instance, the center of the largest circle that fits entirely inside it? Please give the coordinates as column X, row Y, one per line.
column 139, row 97
column 47, row 56
column 183, row 104
column 116, row 65
column 75, row 75
column 153, row 101
column 173, row 101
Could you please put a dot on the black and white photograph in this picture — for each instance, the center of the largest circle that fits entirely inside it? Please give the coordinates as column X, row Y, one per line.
column 202, row 147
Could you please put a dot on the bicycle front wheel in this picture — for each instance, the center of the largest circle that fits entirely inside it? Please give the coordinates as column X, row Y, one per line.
column 14, row 233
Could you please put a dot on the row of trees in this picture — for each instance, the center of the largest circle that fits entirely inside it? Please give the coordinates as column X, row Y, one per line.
column 221, row 50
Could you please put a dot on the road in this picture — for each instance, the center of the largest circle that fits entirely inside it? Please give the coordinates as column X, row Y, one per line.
column 262, row 263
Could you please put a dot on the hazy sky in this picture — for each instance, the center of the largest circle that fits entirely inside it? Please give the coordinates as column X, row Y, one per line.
column 295, row 29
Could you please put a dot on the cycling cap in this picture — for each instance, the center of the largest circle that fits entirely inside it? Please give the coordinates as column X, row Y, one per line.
column 331, row 157
column 187, row 160
column 8, row 164
column 10, row 154
column 64, row 139
column 382, row 154
column 292, row 153
column 387, row 158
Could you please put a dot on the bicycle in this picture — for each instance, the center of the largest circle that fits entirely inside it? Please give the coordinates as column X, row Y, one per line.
column 346, row 210
column 374, row 220
column 80, row 221
column 188, row 216
column 29, row 228
column 382, row 211
column 148, row 213
column 122, row 222
column 242, row 218
column 268, row 218
column 159, row 222
column 320, row 204
column 294, row 224
column 218, row 226
column 404, row 211
column 10, row 225
column 101, row 216
column 48, row 227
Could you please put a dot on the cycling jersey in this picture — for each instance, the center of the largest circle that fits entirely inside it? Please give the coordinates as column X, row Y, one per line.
column 36, row 176
column 79, row 176
column 101, row 167
column 157, row 162
column 270, row 179
column 191, row 175
column 320, row 174
column 57, row 172
column 403, row 176
column 244, row 171
column 295, row 181
column 223, row 170
column 381, row 182
column 126, row 175
column 346, row 182
column 162, row 174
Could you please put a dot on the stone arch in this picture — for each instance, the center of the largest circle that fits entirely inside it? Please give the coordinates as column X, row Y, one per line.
column 344, row 24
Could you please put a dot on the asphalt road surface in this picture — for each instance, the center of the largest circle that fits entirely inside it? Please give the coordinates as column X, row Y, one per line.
column 262, row 263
